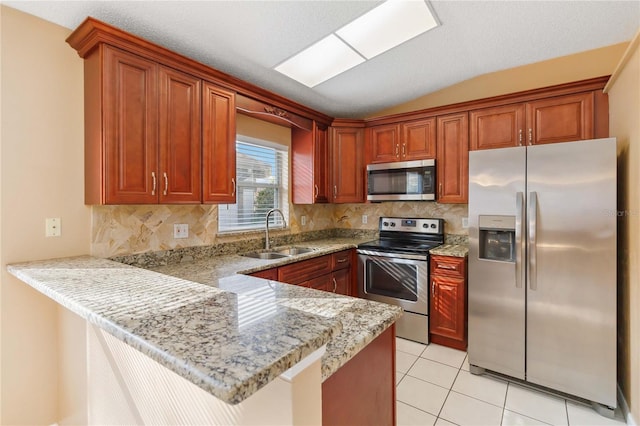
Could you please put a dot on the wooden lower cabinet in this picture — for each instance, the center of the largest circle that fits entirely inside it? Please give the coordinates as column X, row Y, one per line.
column 448, row 302
column 331, row 272
column 363, row 391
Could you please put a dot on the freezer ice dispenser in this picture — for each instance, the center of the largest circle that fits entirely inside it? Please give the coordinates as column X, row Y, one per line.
column 497, row 238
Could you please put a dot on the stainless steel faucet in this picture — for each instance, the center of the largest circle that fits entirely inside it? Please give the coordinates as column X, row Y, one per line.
column 267, row 245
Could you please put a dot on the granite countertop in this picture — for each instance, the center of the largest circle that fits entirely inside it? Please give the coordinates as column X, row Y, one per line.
column 228, row 333
column 455, row 250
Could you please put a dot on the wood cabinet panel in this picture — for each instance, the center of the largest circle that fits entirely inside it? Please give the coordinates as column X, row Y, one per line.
column 130, row 128
column 268, row 274
column 323, row 282
column 419, row 139
column 383, row 144
column 448, row 301
column 180, row 137
column 561, row 119
column 497, row 127
column 218, row 145
column 347, row 171
column 341, row 282
column 355, row 396
column 309, row 163
column 305, row 270
column 452, row 163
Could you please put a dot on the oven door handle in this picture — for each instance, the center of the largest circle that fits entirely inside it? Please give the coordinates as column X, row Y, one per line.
column 392, row 255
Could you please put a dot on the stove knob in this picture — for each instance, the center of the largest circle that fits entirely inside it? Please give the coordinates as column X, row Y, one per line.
column 433, row 225
column 425, row 225
column 385, row 223
column 393, row 224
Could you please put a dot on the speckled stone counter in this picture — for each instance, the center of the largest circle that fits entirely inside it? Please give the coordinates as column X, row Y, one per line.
column 230, row 334
column 455, row 250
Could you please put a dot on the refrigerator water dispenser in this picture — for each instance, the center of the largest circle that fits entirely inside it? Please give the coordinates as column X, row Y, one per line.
column 497, row 238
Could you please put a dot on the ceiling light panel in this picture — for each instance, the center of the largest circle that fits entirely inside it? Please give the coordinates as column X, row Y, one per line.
column 387, row 26
column 321, row 61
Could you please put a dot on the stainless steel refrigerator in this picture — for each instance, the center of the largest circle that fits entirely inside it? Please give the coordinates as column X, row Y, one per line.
column 542, row 266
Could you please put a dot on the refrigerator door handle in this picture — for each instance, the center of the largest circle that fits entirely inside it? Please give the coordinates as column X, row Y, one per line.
column 533, row 219
column 519, row 248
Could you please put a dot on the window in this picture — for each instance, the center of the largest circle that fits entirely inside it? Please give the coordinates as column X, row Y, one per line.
column 262, row 179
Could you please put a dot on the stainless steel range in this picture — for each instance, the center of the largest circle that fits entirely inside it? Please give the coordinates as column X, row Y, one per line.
column 395, row 269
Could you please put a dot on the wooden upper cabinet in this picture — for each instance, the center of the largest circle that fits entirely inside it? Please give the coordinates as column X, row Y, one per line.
column 347, row 170
column 121, row 155
column 218, row 144
column 418, row 139
column 309, row 163
column 179, row 123
column 452, row 162
column 497, row 127
column 383, row 144
column 414, row 140
column 561, row 119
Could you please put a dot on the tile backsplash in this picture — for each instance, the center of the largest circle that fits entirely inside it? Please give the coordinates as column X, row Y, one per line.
column 131, row 229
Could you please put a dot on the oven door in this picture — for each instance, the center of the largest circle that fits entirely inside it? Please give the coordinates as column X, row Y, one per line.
column 401, row 280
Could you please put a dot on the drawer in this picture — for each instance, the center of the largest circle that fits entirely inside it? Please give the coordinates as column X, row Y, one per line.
column 305, row 270
column 448, row 265
column 341, row 259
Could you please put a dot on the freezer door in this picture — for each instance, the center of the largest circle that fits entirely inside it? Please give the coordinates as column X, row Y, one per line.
column 571, row 293
column 496, row 278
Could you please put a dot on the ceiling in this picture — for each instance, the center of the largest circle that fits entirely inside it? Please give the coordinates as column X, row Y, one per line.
column 249, row 38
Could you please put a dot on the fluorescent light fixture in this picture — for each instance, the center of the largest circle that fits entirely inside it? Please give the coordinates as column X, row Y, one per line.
column 387, row 26
column 383, row 28
column 321, row 61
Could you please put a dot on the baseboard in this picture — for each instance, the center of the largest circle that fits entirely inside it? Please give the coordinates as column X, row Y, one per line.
column 628, row 417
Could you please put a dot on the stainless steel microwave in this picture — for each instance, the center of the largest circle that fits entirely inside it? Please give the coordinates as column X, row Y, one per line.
column 401, row 181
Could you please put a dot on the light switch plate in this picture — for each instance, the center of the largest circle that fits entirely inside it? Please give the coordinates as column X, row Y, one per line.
column 303, row 220
column 364, row 218
column 465, row 222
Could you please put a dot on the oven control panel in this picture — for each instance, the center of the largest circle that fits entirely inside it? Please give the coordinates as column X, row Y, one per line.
column 404, row 224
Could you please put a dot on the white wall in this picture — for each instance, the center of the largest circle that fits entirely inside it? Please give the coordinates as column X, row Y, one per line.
column 41, row 175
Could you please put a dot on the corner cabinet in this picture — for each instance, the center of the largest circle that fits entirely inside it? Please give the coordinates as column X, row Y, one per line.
column 310, row 164
column 452, row 161
column 448, row 301
column 154, row 131
column 346, row 148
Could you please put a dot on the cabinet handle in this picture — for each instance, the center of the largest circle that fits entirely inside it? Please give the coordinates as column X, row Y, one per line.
column 397, row 148
column 433, row 288
column 342, row 260
column 335, row 191
column 153, row 188
column 233, row 192
column 440, row 190
column 440, row 266
column 520, row 137
column 166, row 183
column 404, row 149
column 317, row 190
column 335, row 285
column 530, row 136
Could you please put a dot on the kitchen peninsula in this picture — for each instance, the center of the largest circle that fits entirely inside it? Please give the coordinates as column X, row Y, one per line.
column 249, row 342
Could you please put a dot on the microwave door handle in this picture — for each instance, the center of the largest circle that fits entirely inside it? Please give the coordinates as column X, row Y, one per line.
column 519, row 247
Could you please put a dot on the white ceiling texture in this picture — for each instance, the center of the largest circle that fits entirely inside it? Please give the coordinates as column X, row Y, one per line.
column 249, row 38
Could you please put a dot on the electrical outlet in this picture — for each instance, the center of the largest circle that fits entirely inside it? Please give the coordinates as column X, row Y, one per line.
column 303, row 220
column 465, row 222
column 364, row 218
column 52, row 227
column 181, row 230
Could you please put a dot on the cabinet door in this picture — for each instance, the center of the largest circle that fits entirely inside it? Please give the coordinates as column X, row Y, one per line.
column 130, row 123
column 452, row 163
column 446, row 316
column 419, row 140
column 497, row 127
column 383, row 144
column 309, row 164
column 560, row 119
column 218, row 145
column 305, row 270
column 268, row 274
column 322, row 282
column 341, row 282
column 180, row 135
column 321, row 165
column 347, row 172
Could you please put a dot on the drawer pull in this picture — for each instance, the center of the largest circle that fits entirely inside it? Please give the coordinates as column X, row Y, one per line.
column 342, row 260
column 451, row 268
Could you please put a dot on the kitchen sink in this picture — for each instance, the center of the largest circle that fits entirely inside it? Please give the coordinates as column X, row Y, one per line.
column 279, row 254
column 292, row 251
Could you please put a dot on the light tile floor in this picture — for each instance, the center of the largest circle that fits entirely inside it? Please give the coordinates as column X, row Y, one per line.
column 434, row 387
